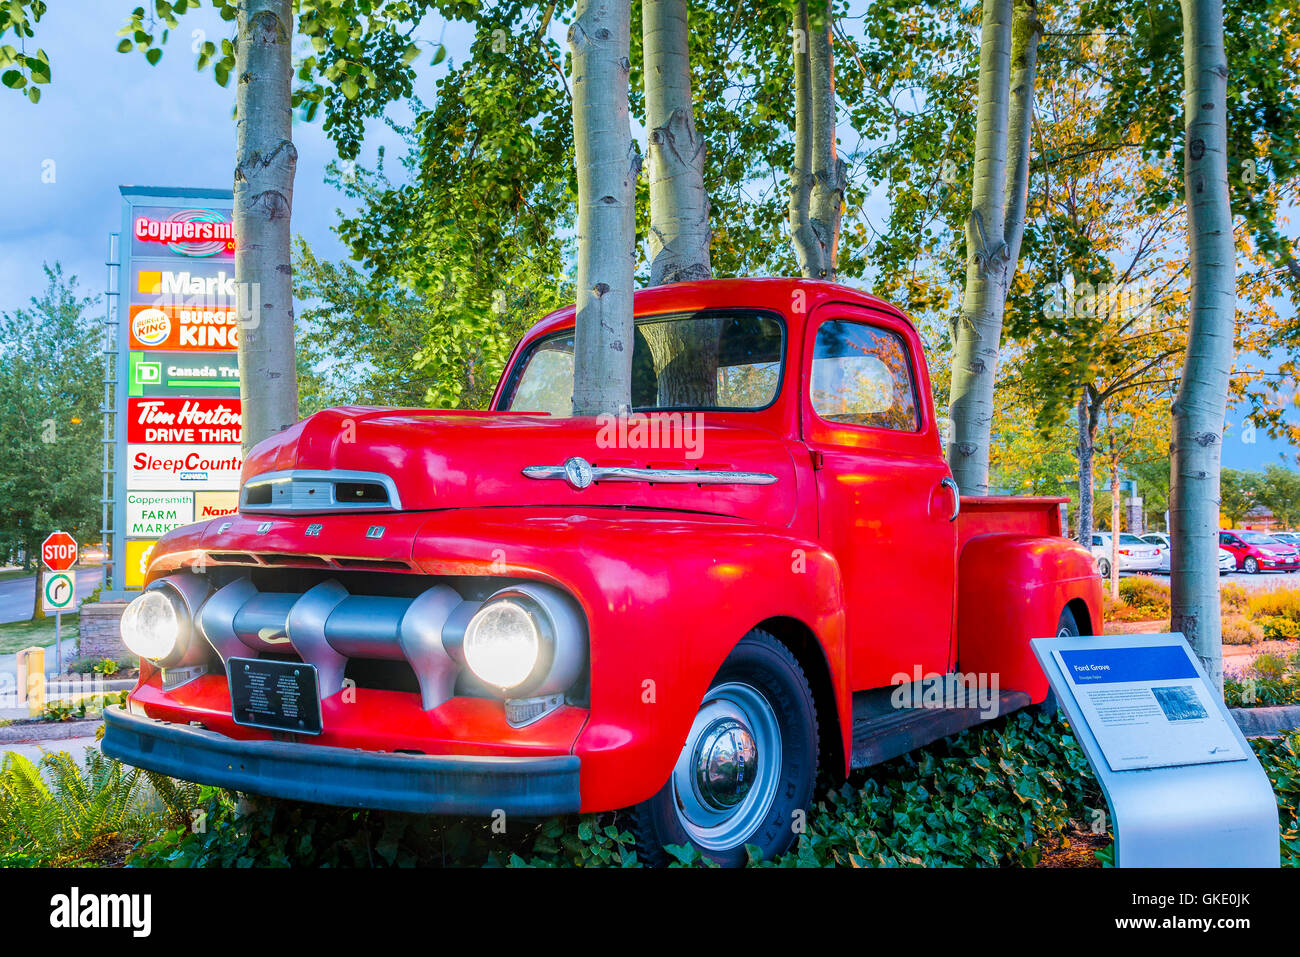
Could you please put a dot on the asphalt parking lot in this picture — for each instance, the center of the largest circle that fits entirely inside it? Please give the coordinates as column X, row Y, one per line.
column 1260, row 582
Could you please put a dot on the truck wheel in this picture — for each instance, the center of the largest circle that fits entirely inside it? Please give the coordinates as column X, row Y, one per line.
column 1103, row 567
column 1251, row 566
column 748, row 764
column 1066, row 627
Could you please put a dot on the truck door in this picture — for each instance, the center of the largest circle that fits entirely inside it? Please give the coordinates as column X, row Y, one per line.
column 886, row 499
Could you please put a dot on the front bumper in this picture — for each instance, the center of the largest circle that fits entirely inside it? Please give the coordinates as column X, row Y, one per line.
column 415, row 783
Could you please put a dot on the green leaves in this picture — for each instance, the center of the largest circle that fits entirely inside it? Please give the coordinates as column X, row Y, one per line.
column 19, row 18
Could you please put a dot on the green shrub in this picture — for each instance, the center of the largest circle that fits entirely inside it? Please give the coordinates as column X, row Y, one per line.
column 1271, row 680
column 1278, row 628
column 989, row 796
column 1280, row 758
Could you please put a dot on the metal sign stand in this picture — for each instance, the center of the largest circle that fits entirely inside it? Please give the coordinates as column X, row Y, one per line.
column 1219, row 814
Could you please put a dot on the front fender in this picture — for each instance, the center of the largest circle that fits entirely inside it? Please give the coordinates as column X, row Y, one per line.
column 667, row 596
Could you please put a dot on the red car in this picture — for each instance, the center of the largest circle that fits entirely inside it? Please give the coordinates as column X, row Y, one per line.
column 1256, row 552
column 685, row 612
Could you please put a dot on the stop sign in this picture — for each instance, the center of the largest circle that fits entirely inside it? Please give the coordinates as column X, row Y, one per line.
column 59, row 551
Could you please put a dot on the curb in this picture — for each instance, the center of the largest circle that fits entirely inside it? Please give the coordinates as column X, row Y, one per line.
column 35, row 732
column 1273, row 720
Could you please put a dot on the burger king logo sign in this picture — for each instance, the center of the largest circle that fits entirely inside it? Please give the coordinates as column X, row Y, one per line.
column 151, row 326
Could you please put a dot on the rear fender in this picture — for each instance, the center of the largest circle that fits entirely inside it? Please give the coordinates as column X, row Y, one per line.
column 1011, row 588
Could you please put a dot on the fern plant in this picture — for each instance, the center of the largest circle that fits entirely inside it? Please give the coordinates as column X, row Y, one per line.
column 60, row 811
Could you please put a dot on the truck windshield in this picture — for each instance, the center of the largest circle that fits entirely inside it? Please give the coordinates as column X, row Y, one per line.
column 721, row 360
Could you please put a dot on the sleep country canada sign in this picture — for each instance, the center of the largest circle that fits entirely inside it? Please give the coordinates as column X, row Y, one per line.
column 176, row 437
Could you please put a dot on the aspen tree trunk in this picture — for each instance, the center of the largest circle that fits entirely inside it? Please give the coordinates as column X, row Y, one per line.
column 679, row 204
column 265, row 160
column 806, row 247
column 994, row 228
column 818, row 176
column 607, row 166
column 1085, row 473
column 1114, row 522
column 1201, row 403
column 830, row 176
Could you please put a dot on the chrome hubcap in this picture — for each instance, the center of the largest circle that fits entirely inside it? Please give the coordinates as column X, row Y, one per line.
column 725, row 761
column 726, row 777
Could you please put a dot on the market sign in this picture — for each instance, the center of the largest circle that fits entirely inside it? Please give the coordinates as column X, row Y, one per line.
column 153, row 374
column 198, row 284
column 154, row 514
column 200, row 421
column 170, row 467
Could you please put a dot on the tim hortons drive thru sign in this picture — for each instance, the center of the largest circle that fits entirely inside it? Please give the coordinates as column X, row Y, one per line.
column 183, row 421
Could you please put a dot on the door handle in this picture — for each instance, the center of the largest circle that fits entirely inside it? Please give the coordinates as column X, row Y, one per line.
column 951, row 485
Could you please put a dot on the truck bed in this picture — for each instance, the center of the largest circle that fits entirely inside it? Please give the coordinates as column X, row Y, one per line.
column 1031, row 516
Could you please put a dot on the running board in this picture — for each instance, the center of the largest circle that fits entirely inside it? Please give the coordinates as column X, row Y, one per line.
column 882, row 731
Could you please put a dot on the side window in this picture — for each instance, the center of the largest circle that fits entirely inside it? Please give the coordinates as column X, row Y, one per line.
column 861, row 375
column 1225, row 538
column 1096, row 541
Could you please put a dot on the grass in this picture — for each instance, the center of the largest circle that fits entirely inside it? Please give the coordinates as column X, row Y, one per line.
column 17, row 635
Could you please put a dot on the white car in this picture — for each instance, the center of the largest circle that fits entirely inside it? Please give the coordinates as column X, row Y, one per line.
column 1135, row 555
column 1227, row 563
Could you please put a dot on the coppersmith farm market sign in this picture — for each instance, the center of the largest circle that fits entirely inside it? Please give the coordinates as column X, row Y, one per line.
column 176, row 438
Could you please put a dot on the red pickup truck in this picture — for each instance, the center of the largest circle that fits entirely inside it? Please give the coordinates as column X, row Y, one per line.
column 685, row 611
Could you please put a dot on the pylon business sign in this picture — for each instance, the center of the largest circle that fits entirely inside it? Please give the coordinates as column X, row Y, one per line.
column 175, row 448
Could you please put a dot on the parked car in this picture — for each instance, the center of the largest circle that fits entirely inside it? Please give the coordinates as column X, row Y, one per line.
column 1135, row 555
column 1255, row 552
column 1227, row 562
column 1288, row 538
column 527, row 612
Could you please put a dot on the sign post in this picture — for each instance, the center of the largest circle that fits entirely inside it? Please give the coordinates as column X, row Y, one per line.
column 1184, row 787
column 59, row 554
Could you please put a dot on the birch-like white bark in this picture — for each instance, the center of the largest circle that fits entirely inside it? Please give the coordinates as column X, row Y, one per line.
column 607, row 167
column 994, row 229
column 265, row 161
column 1201, row 402
column 679, row 204
column 1086, row 428
column 806, row 247
column 830, row 176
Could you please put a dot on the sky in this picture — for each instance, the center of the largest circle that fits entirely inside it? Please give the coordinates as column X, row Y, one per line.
column 109, row 119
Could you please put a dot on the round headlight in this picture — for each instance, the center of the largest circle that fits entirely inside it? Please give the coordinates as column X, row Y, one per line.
column 505, row 641
column 154, row 624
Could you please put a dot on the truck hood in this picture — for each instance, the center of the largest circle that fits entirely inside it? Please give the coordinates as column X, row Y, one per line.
column 441, row 460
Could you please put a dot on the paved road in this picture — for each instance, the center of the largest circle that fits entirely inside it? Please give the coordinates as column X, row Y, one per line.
column 1260, row 582
column 16, row 594
column 74, row 746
